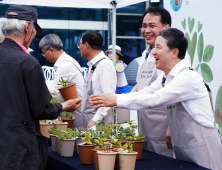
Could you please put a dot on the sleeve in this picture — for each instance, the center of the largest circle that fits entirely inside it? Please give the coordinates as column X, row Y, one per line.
column 107, row 81
column 181, row 88
column 39, row 97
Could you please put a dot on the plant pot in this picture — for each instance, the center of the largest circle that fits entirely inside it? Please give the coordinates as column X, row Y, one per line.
column 106, row 160
column 127, row 161
column 58, row 145
column 78, row 140
column 69, row 121
column 69, row 92
column 62, row 126
column 44, row 129
column 86, row 153
column 54, row 143
column 138, row 147
column 67, row 147
column 95, row 157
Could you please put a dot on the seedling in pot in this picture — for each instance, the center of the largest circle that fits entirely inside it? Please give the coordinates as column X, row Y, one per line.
column 64, row 82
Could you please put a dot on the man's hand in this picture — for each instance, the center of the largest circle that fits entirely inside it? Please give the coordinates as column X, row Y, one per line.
column 91, row 124
column 168, row 139
column 71, row 105
column 103, row 100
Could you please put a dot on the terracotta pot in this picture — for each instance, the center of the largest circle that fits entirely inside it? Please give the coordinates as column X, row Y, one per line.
column 69, row 91
column 86, row 153
column 62, row 126
column 127, row 161
column 67, row 147
column 69, row 121
column 138, row 147
column 54, row 143
column 78, row 140
column 44, row 129
column 106, row 160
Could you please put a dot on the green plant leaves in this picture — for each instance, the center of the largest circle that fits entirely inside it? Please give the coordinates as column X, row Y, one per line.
column 191, row 24
column 197, row 68
column 208, row 53
column 199, row 26
column 183, row 23
column 206, row 72
column 191, row 45
column 218, row 105
column 200, row 47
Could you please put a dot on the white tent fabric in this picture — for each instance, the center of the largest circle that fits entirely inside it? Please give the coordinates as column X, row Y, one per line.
column 74, row 3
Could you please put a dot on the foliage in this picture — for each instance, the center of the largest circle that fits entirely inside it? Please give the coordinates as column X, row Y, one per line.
column 54, row 130
column 66, row 114
column 128, row 145
column 67, row 134
column 103, row 144
column 54, row 98
column 63, row 82
column 138, row 136
column 87, row 138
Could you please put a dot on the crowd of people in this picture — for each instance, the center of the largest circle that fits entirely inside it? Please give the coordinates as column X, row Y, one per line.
column 174, row 108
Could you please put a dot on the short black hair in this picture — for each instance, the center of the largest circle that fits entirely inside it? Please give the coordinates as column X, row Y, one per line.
column 175, row 39
column 94, row 39
column 164, row 14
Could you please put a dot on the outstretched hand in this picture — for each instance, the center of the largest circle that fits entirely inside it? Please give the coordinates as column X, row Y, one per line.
column 103, row 100
column 71, row 105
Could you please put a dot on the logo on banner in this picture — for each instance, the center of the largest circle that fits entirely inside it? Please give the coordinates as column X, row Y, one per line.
column 176, row 4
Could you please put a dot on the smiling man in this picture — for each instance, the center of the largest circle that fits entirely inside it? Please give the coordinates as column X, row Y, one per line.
column 189, row 110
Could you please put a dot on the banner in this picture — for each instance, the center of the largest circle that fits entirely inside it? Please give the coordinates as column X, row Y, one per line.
column 199, row 20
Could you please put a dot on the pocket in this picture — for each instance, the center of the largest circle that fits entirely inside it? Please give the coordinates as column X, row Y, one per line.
column 43, row 151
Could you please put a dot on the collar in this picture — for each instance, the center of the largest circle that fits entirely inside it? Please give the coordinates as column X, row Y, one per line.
column 149, row 49
column 59, row 60
column 177, row 68
column 23, row 48
column 96, row 58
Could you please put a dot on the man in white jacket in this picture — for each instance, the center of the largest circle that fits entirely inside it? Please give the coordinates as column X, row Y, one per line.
column 65, row 66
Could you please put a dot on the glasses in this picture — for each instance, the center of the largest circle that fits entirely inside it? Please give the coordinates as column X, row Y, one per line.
column 78, row 45
column 43, row 53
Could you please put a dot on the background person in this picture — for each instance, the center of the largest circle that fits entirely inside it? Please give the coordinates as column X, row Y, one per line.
column 191, row 119
column 100, row 77
column 25, row 98
column 65, row 66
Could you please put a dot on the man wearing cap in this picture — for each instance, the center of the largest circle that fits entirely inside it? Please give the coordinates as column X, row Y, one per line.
column 65, row 66
column 100, row 77
column 25, row 98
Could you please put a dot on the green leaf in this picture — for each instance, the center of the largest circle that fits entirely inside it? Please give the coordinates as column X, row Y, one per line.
column 183, row 23
column 206, row 72
column 191, row 24
column 200, row 47
column 191, row 45
column 208, row 53
column 89, row 142
column 199, row 26
column 218, row 110
column 197, row 68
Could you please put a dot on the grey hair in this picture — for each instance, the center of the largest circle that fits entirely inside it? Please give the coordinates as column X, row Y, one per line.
column 2, row 37
column 13, row 26
column 51, row 40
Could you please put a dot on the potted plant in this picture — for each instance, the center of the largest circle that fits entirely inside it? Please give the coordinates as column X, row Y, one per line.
column 85, row 149
column 62, row 125
column 80, row 133
column 104, row 158
column 44, row 127
column 69, row 118
column 68, row 91
column 127, row 157
column 138, row 144
column 53, row 134
column 67, row 142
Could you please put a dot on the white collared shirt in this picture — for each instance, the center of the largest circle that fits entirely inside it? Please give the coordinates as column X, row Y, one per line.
column 103, row 80
column 66, row 69
column 151, row 58
column 181, row 86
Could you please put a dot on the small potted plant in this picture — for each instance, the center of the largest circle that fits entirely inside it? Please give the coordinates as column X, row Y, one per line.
column 85, row 149
column 105, row 156
column 69, row 118
column 54, row 131
column 44, row 127
column 68, row 89
column 67, row 142
column 62, row 125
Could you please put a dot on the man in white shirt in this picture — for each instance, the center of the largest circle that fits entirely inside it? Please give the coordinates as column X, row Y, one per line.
column 65, row 66
column 189, row 111
column 100, row 77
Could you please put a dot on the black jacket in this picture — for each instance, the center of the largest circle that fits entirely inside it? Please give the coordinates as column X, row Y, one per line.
column 24, row 100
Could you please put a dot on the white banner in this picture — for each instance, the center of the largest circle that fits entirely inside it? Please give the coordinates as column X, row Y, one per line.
column 74, row 3
column 199, row 20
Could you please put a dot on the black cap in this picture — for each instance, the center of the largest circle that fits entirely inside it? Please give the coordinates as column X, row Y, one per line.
column 23, row 12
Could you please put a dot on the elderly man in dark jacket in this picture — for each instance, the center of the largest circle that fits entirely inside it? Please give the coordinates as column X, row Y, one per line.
column 25, row 98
